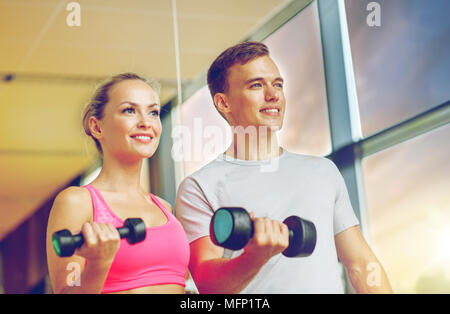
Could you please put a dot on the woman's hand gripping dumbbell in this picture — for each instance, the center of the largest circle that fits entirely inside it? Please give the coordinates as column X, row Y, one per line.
column 232, row 228
column 65, row 243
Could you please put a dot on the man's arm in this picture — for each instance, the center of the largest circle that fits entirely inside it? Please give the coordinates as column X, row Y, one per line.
column 214, row 274
column 211, row 272
column 365, row 271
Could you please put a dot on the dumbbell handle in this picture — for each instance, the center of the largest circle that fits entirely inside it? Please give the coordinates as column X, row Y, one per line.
column 291, row 232
column 291, row 235
column 65, row 243
column 79, row 238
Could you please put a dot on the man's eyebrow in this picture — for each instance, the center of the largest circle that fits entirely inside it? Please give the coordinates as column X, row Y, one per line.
column 135, row 104
column 262, row 79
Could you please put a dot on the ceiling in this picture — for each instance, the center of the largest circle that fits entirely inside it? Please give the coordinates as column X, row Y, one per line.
column 49, row 70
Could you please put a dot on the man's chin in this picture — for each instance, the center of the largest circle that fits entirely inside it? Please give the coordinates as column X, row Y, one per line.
column 271, row 127
column 259, row 128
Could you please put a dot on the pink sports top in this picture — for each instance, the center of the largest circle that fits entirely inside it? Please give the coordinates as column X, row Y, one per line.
column 162, row 258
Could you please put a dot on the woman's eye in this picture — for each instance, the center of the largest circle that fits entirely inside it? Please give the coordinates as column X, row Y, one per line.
column 154, row 113
column 128, row 110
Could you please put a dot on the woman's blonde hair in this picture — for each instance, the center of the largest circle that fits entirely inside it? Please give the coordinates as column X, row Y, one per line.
column 95, row 107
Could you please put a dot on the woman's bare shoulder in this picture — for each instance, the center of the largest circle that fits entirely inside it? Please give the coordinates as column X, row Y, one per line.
column 73, row 202
column 73, row 196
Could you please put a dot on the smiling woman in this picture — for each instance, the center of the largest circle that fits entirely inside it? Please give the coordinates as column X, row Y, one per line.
column 95, row 107
column 134, row 112
column 123, row 118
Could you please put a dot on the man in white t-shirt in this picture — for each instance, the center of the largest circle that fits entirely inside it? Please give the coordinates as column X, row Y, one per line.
column 257, row 174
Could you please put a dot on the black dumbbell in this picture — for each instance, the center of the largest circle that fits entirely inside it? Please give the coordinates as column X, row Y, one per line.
column 65, row 243
column 232, row 228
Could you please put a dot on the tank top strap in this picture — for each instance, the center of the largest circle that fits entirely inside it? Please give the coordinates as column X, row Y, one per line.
column 101, row 211
column 161, row 206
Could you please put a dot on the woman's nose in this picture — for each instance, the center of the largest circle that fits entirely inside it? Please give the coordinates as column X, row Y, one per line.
column 144, row 122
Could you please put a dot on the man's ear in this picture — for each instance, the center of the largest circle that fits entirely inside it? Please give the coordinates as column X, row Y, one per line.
column 95, row 128
column 221, row 103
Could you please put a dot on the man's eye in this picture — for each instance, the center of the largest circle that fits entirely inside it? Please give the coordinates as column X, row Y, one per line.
column 255, row 85
column 279, row 85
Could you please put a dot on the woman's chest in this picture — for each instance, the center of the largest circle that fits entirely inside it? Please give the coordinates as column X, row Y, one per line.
column 136, row 207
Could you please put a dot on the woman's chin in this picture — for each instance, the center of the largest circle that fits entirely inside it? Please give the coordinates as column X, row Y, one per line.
column 135, row 156
column 143, row 154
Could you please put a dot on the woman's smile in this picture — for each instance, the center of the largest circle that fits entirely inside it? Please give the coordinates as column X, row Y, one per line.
column 142, row 138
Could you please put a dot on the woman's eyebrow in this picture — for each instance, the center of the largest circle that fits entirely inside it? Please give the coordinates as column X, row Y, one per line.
column 137, row 105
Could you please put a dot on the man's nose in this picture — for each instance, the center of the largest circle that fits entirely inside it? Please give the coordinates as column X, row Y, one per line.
column 271, row 94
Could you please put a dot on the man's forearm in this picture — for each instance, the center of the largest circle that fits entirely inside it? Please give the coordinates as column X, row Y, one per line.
column 369, row 279
column 226, row 275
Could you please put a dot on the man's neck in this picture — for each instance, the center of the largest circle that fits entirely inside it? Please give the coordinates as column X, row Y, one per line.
column 260, row 145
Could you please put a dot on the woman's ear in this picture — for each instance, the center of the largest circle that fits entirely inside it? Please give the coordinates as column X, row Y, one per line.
column 95, row 128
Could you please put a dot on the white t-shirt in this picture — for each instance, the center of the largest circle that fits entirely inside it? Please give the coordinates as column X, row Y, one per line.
column 291, row 184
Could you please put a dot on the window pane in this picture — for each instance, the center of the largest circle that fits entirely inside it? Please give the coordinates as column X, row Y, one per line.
column 206, row 27
column 409, row 212
column 297, row 50
column 203, row 133
column 402, row 67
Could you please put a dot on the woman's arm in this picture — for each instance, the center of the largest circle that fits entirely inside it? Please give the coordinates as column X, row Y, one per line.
column 72, row 210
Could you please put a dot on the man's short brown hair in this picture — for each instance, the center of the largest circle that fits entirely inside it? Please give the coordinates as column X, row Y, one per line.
column 240, row 53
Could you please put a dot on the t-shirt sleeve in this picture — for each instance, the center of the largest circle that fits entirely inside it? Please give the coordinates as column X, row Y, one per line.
column 344, row 216
column 193, row 210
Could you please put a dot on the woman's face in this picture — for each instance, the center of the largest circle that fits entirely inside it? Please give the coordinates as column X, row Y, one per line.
column 131, row 125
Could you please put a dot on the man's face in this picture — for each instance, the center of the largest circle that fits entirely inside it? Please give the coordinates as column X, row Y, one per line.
column 255, row 94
